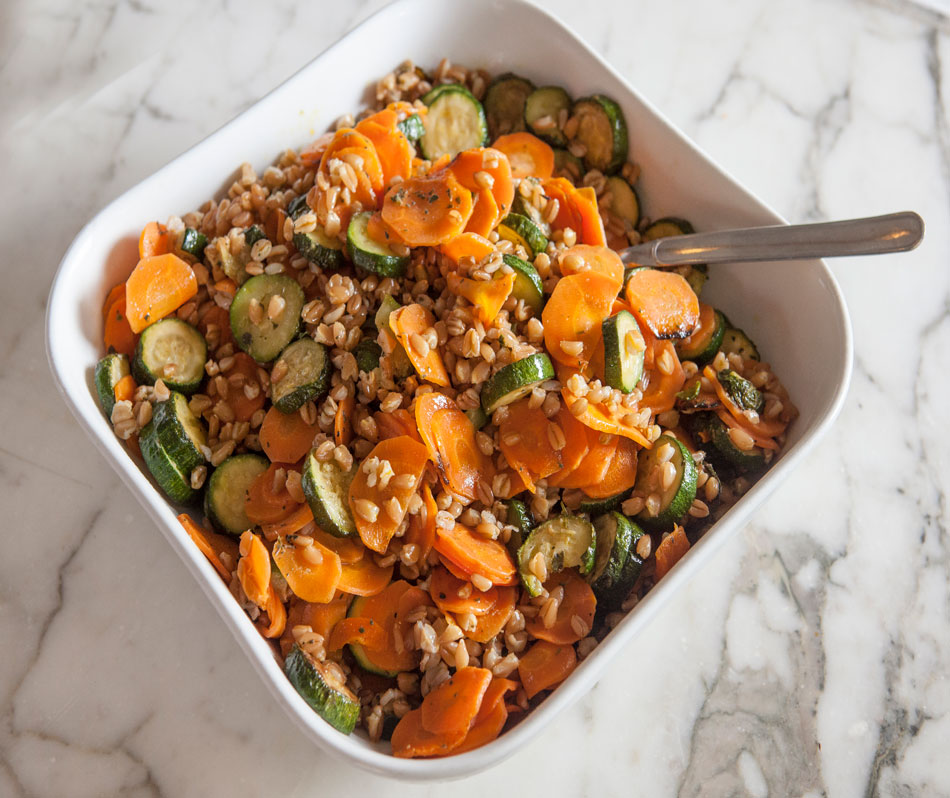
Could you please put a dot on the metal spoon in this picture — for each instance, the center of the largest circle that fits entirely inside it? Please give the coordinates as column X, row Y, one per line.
column 895, row 232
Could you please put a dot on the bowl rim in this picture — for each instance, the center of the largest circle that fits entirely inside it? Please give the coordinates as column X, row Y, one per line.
column 259, row 652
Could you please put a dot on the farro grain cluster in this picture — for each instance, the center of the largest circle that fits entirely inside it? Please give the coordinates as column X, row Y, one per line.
column 441, row 438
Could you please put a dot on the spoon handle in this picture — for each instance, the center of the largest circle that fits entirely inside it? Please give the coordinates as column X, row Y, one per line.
column 895, row 232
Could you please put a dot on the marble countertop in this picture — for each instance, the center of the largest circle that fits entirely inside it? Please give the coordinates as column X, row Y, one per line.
column 809, row 658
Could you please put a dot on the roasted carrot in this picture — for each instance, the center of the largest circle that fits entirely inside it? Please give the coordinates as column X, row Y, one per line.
column 276, row 615
column 762, row 429
column 450, row 440
column 592, row 467
column 663, row 301
column 410, row 738
column 453, row 705
column 583, row 257
column 621, row 472
column 210, row 544
column 574, row 314
column 575, row 437
column 312, row 154
column 350, row 550
column 310, row 578
column 488, row 169
column 253, row 568
column 387, row 610
column 562, row 190
column 116, row 292
column 410, row 324
column 425, row 211
column 292, row 524
column 343, row 421
column 125, row 388
column 322, row 617
column 578, row 602
column 357, row 630
column 452, row 568
column 364, row 578
column 467, row 245
column 545, row 665
column 264, row 505
column 455, row 595
column 158, row 285
column 485, row 214
column 117, row 335
column 527, row 154
column 485, row 728
column 392, row 147
column 475, row 554
column 666, row 377
column 286, row 437
column 395, row 423
column 597, row 416
column 378, row 510
column 592, row 226
column 488, row 296
column 527, row 441
column 670, row 551
column 154, row 240
column 355, row 149
column 492, row 622
column 421, row 530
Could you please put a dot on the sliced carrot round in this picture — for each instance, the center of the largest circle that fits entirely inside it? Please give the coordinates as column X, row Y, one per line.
column 578, row 602
column 453, row 705
column 409, row 324
column 574, row 314
column 545, row 665
column 425, row 211
column 583, row 257
column 492, row 622
column 621, row 472
column 455, row 595
column 411, row 739
column 357, row 630
column 467, row 245
column 364, row 577
column 493, row 165
column 158, row 285
column 474, row 554
column 488, row 296
column 660, row 393
column 117, row 335
column 670, row 551
column 485, row 728
column 663, row 301
column 592, row 467
column 265, row 506
column 316, row 582
column 528, row 155
column 526, row 442
column 286, row 437
column 421, row 532
column 154, row 240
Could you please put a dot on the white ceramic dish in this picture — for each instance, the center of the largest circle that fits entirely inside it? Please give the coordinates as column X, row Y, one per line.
column 792, row 310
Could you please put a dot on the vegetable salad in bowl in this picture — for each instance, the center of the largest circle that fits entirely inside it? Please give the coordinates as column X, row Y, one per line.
column 420, row 417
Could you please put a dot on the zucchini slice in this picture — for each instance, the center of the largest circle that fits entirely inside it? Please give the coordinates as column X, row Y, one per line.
column 718, row 433
column 567, row 164
column 543, row 107
column 307, row 376
column 319, row 248
column 612, row 594
column 253, row 234
column 615, row 536
column 702, row 345
column 455, row 122
column 735, row 341
column 624, row 350
column 624, row 201
column 327, row 487
column 371, row 255
column 676, row 499
column 180, row 432
column 602, row 130
column 321, row 686
column 528, row 287
column 740, row 390
column 521, row 230
column 477, row 416
column 504, row 104
column 193, row 242
column 595, row 507
column 367, row 353
column 297, row 206
column 412, row 128
column 519, row 516
column 227, row 489
column 566, row 541
column 109, row 371
column 175, row 484
column 521, row 206
column 666, row 227
column 515, row 380
column 173, row 351
column 266, row 339
column 402, row 366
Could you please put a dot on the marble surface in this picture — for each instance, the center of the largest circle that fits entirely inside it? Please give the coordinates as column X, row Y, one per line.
column 809, row 658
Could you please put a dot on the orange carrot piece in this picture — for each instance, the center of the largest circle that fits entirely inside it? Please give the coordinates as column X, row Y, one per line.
column 349, row 142
column 349, row 550
column 488, row 296
column 578, row 601
column 124, row 388
column 592, row 226
column 732, row 422
column 576, row 437
column 388, row 610
column 621, row 472
column 527, row 154
column 421, row 530
column 290, row 525
column 663, row 301
column 485, row 728
column 495, row 165
column 203, row 540
column 364, row 578
column 453, row 705
column 575, row 313
column 467, row 245
column 563, row 190
column 319, row 617
column 763, row 428
column 453, row 569
column 376, row 528
column 116, row 292
column 409, row 324
column 253, row 568
column 485, row 215
column 158, row 285
column 705, row 327
column 315, row 582
column 455, row 595
column 117, row 335
column 357, row 630
column 276, row 615
column 410, row 738
column 598, row 417
column 343, row 421
column 226, row 286
column 425, row 211
column 392, row 147
column 154, row 240
column 395, row 423
column 492, row 622
column 592, row 468
column 661, row 391
column 526, row 442
column 262, row 504
column 476, row 555
column 286, row 437
column 670, row 551
column 243, row 406
column 545, row 665
column 495, row 694
column 449, row 437
column 583, row 257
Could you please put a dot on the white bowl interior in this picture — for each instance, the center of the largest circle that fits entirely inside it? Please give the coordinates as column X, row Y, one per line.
column 794, row 311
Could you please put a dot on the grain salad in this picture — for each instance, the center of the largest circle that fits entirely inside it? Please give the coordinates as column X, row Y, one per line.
column 430, row 430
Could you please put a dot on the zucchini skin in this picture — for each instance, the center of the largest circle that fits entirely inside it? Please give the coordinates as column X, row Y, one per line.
column 369, row 255
column 170, row 418
column 266, row 340
column 619, row 144
column 685, row 493
column 727, row 453
column 112, row 368
column 144, row 375
column 521, row 230
column 298, row 357
column 326, row 485
column 505, row 103
column 193, row 242
column 217, row 484
column 341, row 711
column 702, row 356
column 176, row 486
column 528, row 286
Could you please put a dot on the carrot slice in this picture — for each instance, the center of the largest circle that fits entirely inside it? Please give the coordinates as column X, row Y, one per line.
column 253, row 569
column 485, row 215
column 592, row 468
column 598, row 417
column 592, row 226
column 583, row 257
column 125, row 388
column 488, row 296
column 467, row 245
column 262, row 504
column 409, row 324
column 660, row 394
column 388, row 610
column 576, row 437
column 526, row 442
column 350, row 550
column 378, row 511
column 449, row 437
column 578, row 601
column 315, row 582
column 158, row 285
column 343, row 421
column 474, row 554
column 562, row 190
column 485, row 728
column 244, row 406
column 545, row 665
column 528, row 155
column 493, row 621
column 621, row 472
column 395, row 423
column 290, row 525
column 392, row 147
column 731, row 421
column 453, row 705
column 322, row 618
column 670, row 551
column 154, row 240
column 410, row 738
column 276, row 615
column 425, row 211
column 495, row 165
column 210, row 544
column 762, row 429
column 116, row 292
column 663, row 301
column 421, row 530
column 453, row 569
column 455, row 595
column 117, row 335
column 574, row 313
column 357, row 630
column 286, row 437
column 364, row 578
column 347, row 141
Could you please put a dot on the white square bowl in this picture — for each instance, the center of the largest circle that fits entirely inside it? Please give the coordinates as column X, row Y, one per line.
column 793, row 310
